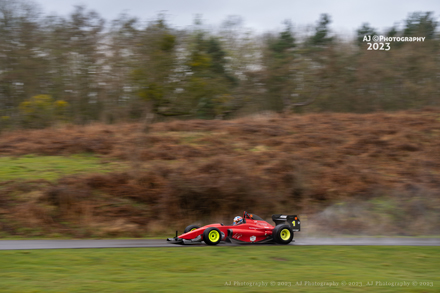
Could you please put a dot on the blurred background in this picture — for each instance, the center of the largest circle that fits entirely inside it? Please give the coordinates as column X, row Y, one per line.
column 110, row 125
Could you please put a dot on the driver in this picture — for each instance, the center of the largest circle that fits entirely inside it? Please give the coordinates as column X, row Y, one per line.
column 238, row 220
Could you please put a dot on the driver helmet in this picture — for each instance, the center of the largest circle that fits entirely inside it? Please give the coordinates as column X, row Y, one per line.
column 238, row 220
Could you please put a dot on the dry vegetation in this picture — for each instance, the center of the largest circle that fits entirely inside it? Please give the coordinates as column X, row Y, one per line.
column 365, row 174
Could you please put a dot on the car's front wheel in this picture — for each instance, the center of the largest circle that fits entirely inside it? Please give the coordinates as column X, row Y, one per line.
column 282, row 234
column 212, row 236
column 191, row 228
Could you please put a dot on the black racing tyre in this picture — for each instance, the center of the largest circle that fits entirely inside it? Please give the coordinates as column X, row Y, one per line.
column 190, row 228
column 282, row 234
column 212, row 236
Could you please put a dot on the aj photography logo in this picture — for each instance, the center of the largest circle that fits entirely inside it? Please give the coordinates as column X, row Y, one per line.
column 348, row 283
column 383, row 43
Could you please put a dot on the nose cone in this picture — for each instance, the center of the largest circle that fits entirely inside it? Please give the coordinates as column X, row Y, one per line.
column 192, row 234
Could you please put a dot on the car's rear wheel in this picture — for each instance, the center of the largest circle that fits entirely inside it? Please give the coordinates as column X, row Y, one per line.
column 212, row 236
column 282, row 234
column 191, row 228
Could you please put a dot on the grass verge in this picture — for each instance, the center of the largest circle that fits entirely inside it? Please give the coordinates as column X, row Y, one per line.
column 220, row 269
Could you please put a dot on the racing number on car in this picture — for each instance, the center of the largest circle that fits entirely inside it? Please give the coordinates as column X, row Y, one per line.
column 293, row 223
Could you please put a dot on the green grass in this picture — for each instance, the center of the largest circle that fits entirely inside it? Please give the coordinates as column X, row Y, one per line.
column 221, row 269
column 32, row 167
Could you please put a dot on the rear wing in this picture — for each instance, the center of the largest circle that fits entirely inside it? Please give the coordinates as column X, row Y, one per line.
column 291, row 220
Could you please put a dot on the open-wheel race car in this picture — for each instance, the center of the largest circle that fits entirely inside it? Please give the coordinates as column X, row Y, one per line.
column 252, row 229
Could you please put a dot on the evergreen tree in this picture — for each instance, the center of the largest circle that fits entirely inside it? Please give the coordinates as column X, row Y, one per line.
column 420, row 24
column 365, row 30
column 279, row 67
column 210, row 83
column 322, row 32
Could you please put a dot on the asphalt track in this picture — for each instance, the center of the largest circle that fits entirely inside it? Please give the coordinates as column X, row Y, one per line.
column 130, row 243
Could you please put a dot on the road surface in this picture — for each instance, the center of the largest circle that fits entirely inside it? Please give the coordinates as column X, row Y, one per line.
column 128, row 243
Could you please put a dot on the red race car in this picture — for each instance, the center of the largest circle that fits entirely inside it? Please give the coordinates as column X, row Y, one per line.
column 253, row 229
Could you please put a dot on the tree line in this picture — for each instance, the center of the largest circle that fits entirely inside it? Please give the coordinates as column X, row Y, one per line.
column 81, row 68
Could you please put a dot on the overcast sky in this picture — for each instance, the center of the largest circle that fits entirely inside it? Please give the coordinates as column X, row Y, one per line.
column 260, row 15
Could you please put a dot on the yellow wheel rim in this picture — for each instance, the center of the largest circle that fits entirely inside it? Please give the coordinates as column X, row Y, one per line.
column 214, row 236
column 193, row 229
column 285, row 234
